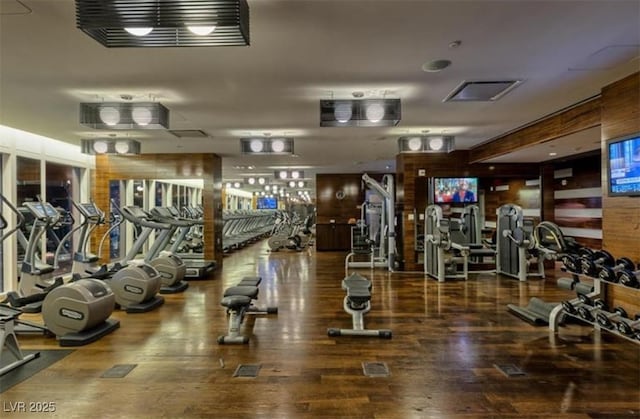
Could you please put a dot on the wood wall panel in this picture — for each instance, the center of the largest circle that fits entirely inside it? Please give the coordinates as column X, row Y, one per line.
column 585, row 175
column 621, row 215
column 207, row 167
column 580, row 117
column 329, row 207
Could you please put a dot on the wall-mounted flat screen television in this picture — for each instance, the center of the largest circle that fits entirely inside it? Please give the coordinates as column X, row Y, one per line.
column 265, row 202
column 623, row 161
column 455, row 189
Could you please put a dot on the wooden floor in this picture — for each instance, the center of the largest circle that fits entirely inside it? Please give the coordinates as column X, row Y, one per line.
column 446, row 340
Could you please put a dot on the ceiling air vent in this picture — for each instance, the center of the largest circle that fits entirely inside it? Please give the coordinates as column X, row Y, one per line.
column 481, row 91
column 189, row 133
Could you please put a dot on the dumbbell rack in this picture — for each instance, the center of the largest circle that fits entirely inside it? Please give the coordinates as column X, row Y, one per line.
column 558, row 311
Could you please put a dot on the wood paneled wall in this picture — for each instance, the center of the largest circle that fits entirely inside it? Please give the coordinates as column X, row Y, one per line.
column 328, row 190
column 621, row 215
column 577, row 199
column 208, row 167
column 519, row 191
column 577, row 118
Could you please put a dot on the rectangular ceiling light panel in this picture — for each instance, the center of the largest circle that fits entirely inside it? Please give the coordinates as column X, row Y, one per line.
column 360, row 113
column 267, row 145
column 165, row 23
column 426, row 144
column 124, row 115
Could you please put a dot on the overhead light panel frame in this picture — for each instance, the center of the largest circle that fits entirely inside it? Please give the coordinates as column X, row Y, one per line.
column 360, row 112
column 165, row 23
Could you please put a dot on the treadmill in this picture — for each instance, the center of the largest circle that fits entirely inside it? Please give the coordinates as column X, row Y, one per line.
column 197, row 267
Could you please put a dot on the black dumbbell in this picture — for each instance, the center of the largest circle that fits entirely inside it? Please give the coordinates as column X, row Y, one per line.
column 629, row 278
column 588, row 307
column 608, row 320
column 589, row 264
column 571, row 263
column 569, row 307
column 629, row 327
column 609, row 273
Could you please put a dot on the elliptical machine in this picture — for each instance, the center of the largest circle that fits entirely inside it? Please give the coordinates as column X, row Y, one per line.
column 135, row 285
column 171, row 268
column 76, row 313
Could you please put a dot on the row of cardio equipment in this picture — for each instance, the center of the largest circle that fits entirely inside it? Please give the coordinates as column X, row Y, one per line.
column 243, row 227
column 77, row 308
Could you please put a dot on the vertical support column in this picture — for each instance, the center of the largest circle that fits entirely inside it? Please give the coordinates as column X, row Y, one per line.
column 10, row 246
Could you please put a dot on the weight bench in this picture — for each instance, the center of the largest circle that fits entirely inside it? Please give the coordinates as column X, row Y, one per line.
column 357, row 302
column 238, row 300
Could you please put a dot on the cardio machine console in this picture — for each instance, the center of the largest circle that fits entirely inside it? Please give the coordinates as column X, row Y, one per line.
column 89, row 210
column 42, row 211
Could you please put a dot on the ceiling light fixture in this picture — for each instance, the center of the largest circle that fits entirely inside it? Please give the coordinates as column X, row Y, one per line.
column 121, row 146
column 360, row 113
column 110, row 115
column 289, row 174
column 270, row 145
column 201, row 30
column 426, row 144
column 164, row 23
column 124, row 115
column 139, row 31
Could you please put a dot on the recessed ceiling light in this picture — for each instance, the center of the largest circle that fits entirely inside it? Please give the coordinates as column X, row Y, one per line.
column 553, row 154
column 435, row 66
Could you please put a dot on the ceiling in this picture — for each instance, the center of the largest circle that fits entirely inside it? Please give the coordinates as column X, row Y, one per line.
column 303, row 51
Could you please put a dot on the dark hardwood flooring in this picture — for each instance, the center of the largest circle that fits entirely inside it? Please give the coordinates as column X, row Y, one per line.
column 447, row 337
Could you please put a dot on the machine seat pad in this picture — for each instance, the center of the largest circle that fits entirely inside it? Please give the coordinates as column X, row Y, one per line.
column 251, row 292
column 252, row 281
column 355, row 280
column 360, row 293
column 234, row 302
column 483, row 251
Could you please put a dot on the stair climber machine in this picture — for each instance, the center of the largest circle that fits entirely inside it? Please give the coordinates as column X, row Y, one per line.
column 135, row 284
column 196, row 267
column 170, row 267
column 77, row 313
column 383, row 255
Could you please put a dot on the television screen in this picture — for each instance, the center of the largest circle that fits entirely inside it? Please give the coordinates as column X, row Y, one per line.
column 624, row 166
column 267, row 202
column 455, row 189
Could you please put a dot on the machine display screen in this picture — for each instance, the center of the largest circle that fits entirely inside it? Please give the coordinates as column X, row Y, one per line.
column 623, row 160
column 267, row 203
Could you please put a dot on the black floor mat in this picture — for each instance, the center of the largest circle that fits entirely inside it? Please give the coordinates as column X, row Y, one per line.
column 46, row 359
